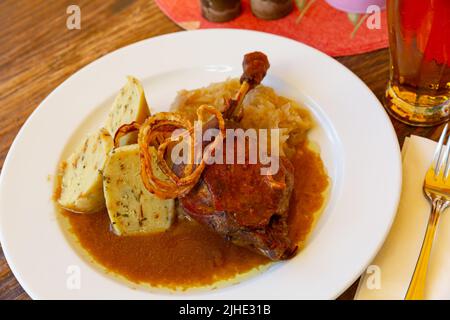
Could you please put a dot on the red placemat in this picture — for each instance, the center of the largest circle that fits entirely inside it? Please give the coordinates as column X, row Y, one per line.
column 321, row 26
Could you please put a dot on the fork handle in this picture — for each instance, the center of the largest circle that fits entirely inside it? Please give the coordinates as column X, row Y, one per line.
column 416, row 288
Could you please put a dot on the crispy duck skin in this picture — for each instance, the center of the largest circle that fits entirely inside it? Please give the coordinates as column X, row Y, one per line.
column 235, row 201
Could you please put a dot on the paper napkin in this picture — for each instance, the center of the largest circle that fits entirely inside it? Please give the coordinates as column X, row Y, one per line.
column 390, row 273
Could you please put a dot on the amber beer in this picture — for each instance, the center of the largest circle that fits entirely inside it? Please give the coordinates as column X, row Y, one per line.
column 418, row 92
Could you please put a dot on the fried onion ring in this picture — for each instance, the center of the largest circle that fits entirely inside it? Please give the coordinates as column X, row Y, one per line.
column 156, row 132
column 123, row 130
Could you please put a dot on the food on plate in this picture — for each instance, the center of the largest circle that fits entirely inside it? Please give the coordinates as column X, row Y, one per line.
column 236, row 201
column 129, row 106
column 81, row 188
column 131, row 208
column 246, row 193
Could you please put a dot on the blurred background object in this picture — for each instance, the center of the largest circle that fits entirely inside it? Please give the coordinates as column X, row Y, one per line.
column 271, row 9
column 356, row 6
column 220, row 10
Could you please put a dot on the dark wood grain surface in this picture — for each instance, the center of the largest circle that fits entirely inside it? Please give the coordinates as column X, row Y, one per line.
column 38, row 52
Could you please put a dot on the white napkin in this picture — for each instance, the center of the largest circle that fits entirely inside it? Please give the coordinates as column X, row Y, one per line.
column 390, row 273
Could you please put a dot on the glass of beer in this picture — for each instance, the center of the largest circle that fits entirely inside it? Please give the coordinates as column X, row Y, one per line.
column 418, row 91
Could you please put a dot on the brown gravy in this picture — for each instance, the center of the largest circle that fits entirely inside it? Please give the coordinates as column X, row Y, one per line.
column 188, row 254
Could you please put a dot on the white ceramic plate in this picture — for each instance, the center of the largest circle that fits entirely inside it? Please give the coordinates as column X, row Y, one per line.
column 357, row 141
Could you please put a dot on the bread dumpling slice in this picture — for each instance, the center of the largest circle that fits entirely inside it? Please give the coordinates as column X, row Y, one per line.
column 129, row 106
column 131, row 207
column 81, row 178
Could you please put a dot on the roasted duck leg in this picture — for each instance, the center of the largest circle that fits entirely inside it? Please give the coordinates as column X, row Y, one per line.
column 235, row 200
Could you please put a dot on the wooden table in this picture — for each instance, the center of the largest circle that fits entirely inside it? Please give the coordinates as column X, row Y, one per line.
column 38, row 52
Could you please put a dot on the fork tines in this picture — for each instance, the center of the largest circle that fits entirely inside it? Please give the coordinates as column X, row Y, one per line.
column 441, row 161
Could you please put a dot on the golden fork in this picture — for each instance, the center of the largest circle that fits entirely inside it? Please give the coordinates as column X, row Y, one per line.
column 437, row 189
